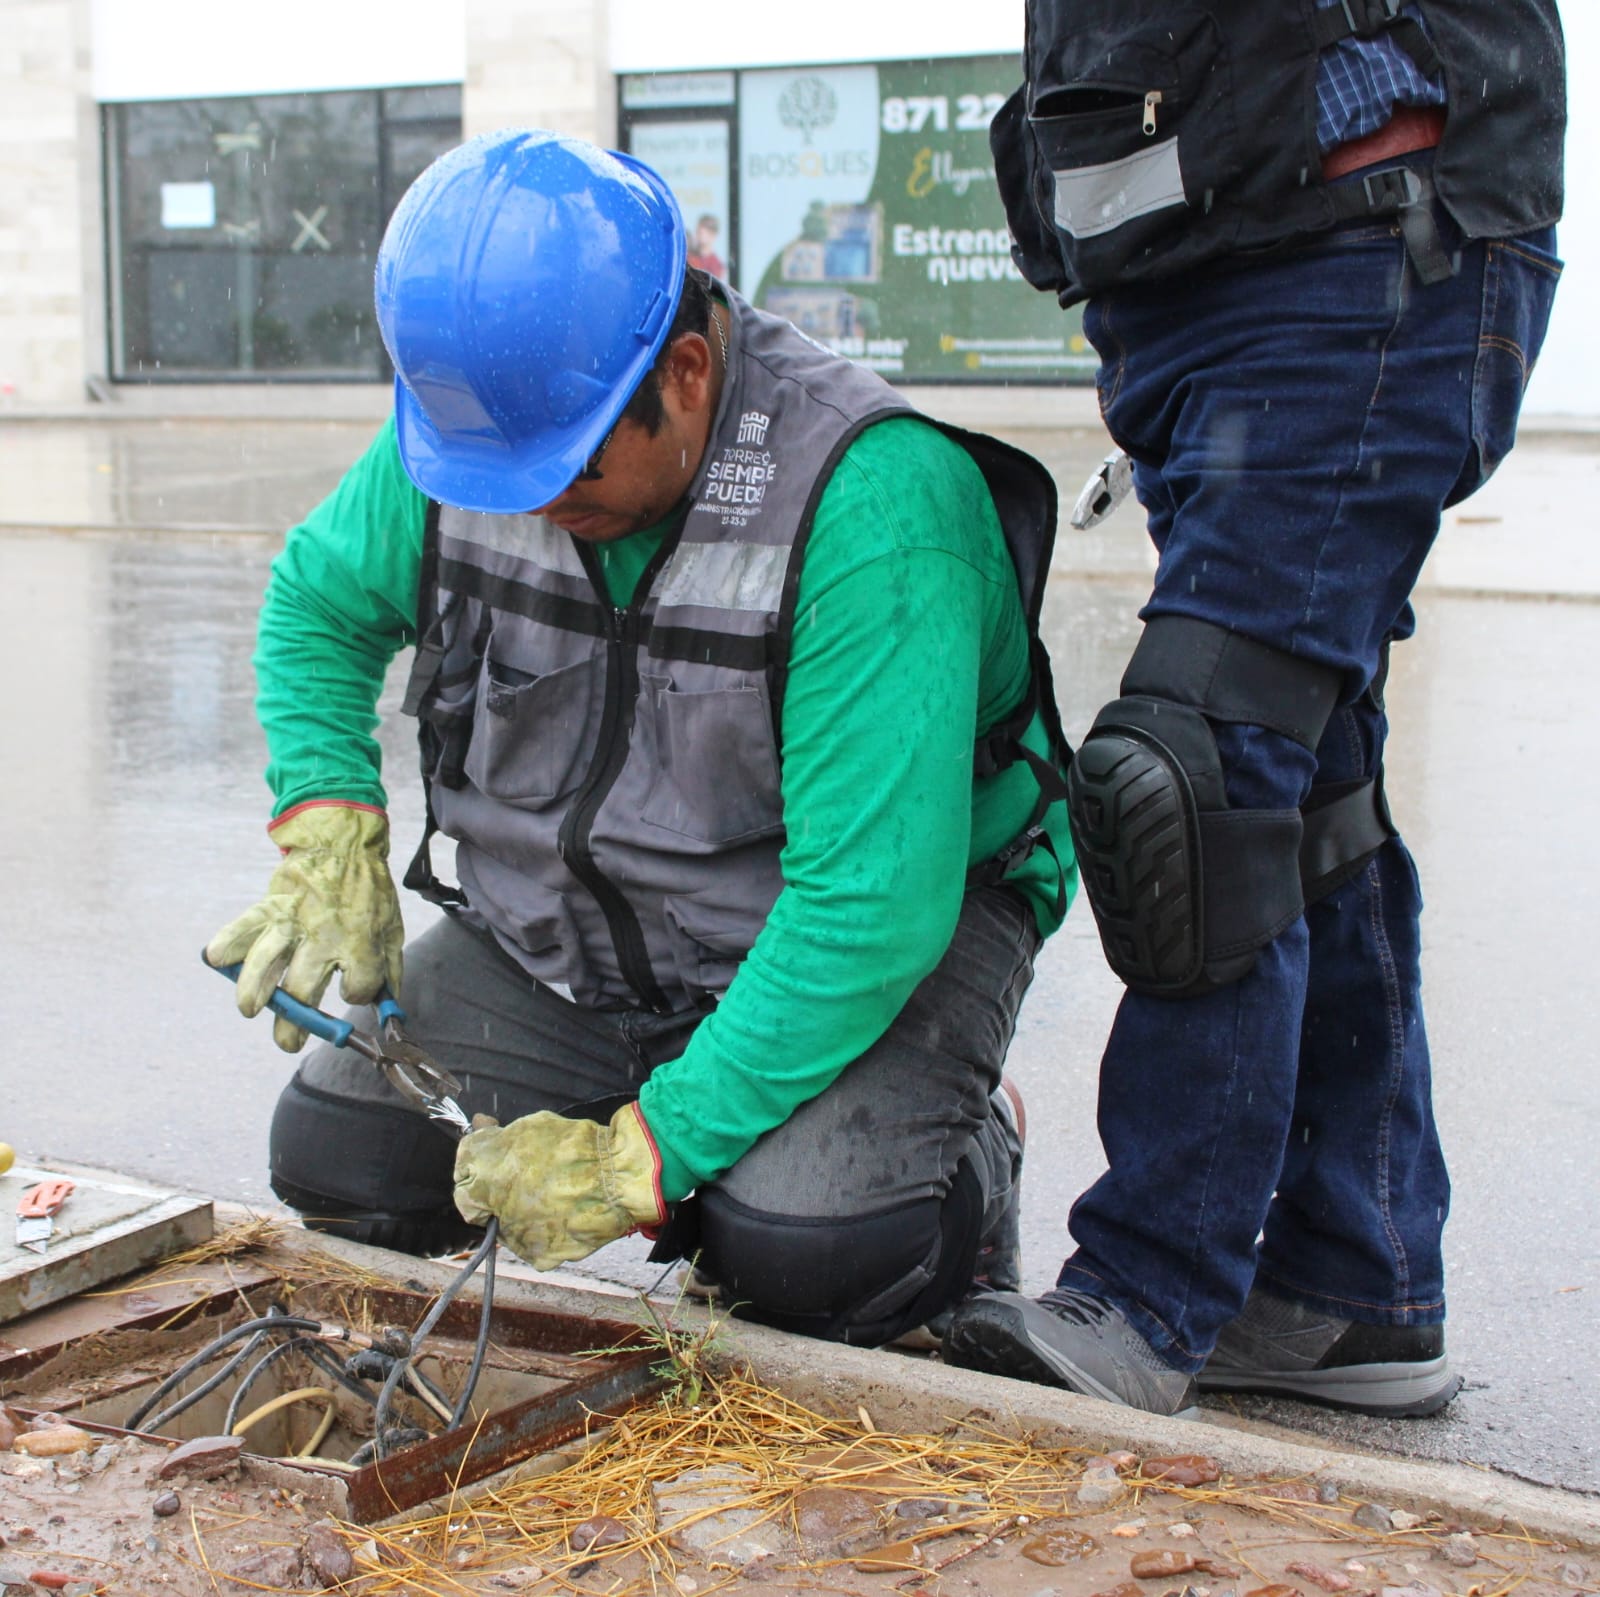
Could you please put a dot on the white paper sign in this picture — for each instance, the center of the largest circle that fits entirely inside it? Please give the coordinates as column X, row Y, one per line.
column 188, row 205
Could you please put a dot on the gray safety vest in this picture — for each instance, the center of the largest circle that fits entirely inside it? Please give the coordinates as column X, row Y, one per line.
column 611, row 775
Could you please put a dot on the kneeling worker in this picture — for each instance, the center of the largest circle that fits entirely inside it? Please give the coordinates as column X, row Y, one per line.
column 729, row 693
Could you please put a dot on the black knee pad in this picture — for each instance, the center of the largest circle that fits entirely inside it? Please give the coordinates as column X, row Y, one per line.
column 366, row 1171
column 1186, row 889
column 857, row 1279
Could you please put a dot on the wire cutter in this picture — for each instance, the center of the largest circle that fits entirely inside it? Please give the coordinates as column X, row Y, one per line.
column 409, row 1070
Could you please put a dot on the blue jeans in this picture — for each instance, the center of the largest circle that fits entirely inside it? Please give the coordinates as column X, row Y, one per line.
column 1297, row 423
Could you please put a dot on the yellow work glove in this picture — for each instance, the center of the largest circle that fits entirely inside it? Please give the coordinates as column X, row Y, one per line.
column 561, row 1187
column 331, row 905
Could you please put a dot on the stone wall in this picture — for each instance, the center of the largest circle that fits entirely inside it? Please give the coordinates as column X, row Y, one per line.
column 539, row 63
column 51, row 276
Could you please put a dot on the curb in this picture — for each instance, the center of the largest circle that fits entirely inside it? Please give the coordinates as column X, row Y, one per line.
column 910, row 1394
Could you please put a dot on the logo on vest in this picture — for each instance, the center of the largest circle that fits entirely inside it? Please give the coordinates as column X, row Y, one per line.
column 736, row 482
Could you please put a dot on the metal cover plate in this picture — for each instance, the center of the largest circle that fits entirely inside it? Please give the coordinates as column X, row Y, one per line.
column 110, row 1226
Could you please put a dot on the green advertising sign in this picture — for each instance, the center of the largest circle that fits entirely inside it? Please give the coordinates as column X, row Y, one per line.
column 870, row 217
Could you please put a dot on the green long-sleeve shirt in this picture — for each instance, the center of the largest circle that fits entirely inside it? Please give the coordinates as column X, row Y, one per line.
column 909, row 635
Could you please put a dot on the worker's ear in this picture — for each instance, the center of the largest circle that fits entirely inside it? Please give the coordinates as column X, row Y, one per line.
column 688, row 372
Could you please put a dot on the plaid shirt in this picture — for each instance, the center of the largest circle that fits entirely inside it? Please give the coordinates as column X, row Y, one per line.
column 1360, row 81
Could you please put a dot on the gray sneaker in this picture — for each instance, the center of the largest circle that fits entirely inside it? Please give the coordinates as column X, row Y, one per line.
column 1280, row 1347
column 1069, row 1339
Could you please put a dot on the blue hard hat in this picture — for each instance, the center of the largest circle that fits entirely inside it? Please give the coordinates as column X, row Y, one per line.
column 525, row 285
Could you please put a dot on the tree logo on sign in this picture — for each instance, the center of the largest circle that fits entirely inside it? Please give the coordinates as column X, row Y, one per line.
column 808, row 104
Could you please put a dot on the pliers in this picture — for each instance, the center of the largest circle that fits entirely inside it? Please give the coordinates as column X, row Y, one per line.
column 409, row 1070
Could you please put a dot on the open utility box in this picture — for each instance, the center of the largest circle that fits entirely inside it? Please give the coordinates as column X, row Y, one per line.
column 545, row 1377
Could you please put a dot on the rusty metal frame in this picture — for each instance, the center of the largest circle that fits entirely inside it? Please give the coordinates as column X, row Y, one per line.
column 605, row 1385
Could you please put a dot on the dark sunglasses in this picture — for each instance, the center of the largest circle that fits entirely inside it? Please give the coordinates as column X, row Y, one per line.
column 591, row 467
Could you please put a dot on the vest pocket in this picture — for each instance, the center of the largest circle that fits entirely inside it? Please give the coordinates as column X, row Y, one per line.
column 716, row 776
column 1132, row 131
column 708, row 943
column 529, row 732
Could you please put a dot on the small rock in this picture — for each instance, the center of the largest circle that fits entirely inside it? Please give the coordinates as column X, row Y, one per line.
column 892, row 1556
column 47, row 1421
column 275, row 1568
column 597, row 1533
column 204, row 1459
column 1161, row 1562
column 1182, row 1469
column 1058, row 1547
column 1572, row 1573
column 518, row 1579
column 1401, row 1519
column 53, row 1441
column 1291, row 1492
column 1179, row 1529
column 166, row 1505
column 916, row 1507
column 1099, row 1488
column 1460, row 1550
column 834, row 1518
column 1133, row 1527
column 1373, row 1516
column 1327, row 1579
column 328, row 1554
column 735, row 1534
column 1327, row 1492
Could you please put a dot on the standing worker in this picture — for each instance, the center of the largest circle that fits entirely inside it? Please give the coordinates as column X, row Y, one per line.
column 730, row 695
column 1317, row 251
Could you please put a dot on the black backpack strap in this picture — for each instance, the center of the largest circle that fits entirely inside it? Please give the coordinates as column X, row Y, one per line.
column 1367, row 19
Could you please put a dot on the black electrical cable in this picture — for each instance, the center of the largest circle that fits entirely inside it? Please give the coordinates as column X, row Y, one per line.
column 189, row 1399
column 253, row 1374
column 330, row 1366
column 469, row 1386
column 429, row 1320
column 285, row 1322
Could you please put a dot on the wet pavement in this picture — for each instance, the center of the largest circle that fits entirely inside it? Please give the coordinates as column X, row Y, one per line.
column 132, row 557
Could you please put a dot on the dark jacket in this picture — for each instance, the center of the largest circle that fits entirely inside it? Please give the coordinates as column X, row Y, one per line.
column 1151, row 137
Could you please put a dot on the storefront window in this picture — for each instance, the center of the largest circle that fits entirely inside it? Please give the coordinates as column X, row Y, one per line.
column 863, row 207
column 244, row 231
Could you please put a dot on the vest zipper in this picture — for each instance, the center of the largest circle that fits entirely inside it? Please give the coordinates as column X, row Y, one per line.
column 574, row 840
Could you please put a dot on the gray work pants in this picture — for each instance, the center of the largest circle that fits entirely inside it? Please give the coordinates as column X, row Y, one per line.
column 874, row 1206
